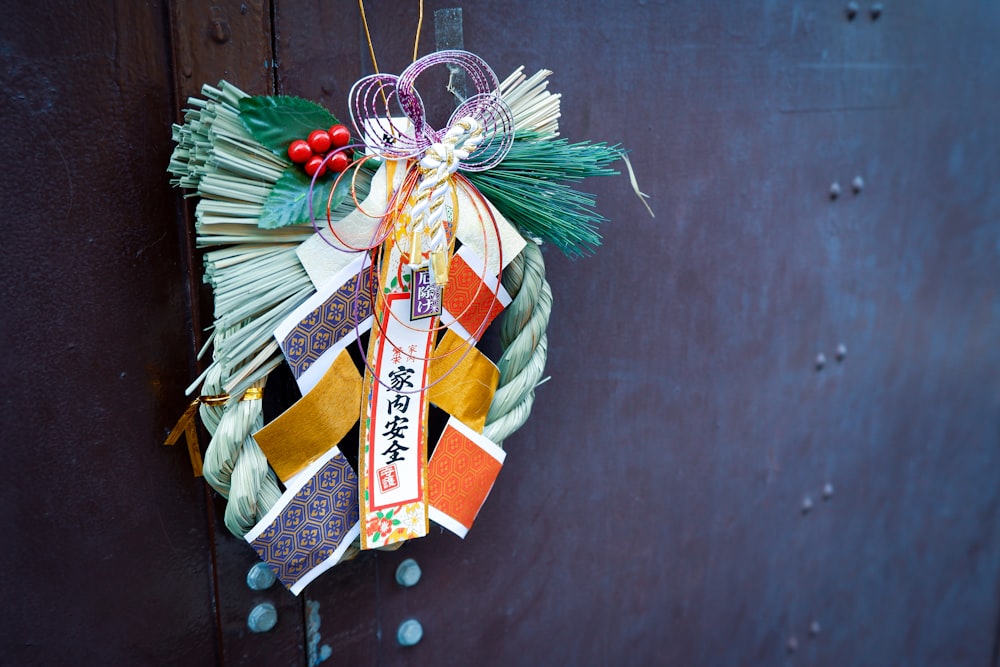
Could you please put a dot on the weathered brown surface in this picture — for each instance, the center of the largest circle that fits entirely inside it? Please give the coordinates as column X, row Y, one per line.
column 222, row 40
column 105, row 558
column 665, row 504
column 651, row 512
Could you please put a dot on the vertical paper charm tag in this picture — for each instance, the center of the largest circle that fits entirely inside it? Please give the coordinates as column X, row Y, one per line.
column 426, row 295
column 394, row 428
column 313, row 523
column 461, row 475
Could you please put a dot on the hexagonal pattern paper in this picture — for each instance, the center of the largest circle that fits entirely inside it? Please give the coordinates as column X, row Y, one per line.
column 472, row 303
column 310, row 527
column 460, row 476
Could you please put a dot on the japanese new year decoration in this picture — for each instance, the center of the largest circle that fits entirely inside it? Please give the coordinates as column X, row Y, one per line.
column 370, row 261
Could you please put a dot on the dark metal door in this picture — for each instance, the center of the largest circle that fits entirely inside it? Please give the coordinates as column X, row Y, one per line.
column 770, row 436
column 104, row 557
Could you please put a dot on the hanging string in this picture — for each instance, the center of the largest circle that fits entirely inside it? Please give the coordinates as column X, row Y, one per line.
column 420, row 23
column 368, row 35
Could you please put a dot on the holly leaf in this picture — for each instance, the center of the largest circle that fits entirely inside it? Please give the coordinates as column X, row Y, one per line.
column 277, row 121
column 288, row 201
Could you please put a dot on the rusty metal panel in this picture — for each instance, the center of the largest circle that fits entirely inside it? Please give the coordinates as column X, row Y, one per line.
column 770, row 435
column 104, row 556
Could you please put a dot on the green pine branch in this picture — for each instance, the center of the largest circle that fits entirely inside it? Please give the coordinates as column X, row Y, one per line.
column 532, row 189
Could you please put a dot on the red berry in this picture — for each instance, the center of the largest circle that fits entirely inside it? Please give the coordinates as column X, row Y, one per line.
column 319, row 141
column 340, row 136
column 299, row 151
column 338, row 162
column 315, row 164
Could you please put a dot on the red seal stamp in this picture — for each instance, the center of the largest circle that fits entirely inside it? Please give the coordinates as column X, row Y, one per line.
column 387, row 478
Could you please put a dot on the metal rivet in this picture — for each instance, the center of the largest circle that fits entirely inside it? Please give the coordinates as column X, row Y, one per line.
column 807, row 505
column 820, row 361
column 841, row 352
column 834, row 190
column 260, row 577
column 262, row 618
column 219, row 31
column 851, row 10
column 410, row 632
column 827, row 491
column 814, row 629
column 876, row 11
column 857, row 185
column 792, row 645
column 408, row 573
column 243, row 8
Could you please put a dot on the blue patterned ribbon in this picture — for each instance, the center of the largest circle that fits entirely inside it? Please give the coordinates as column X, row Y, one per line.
column 311, row 527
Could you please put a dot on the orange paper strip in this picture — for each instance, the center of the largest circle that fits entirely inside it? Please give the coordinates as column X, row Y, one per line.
column 460, row 476
column 469, row 300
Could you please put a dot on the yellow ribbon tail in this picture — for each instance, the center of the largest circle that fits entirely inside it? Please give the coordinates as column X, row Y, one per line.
column 186, row 426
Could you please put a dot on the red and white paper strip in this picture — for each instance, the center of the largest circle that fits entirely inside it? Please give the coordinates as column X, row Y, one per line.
column 471, row 299
column 393, row 461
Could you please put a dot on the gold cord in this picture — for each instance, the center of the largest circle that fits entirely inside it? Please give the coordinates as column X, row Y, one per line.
column 368, row 35
column 420, row 23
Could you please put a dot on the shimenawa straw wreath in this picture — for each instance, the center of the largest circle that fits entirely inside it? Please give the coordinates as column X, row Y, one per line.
column 257, row 208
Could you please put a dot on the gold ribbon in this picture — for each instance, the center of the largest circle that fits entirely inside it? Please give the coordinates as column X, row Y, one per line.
column 316, row 422
column 467, row 391
column 186, row 424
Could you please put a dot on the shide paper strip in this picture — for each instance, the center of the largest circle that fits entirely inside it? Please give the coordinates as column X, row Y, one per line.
column 463, row 381
column 323, row 255
column 471, row 300
column 315, row 423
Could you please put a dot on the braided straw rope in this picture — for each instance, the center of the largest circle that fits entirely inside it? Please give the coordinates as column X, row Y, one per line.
column 234, row 464
column 524, row 342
